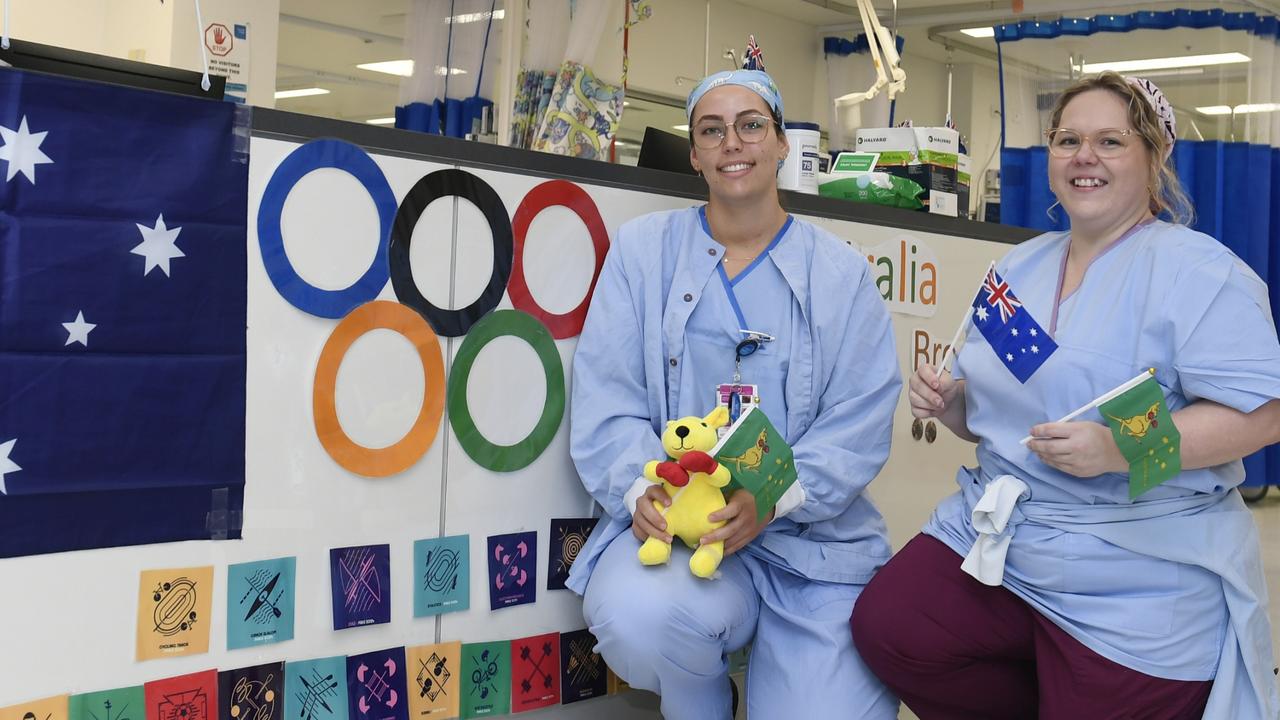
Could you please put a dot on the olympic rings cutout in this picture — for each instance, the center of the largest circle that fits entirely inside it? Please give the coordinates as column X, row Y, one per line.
column 433, row 186
column 505, row 458
column 395, row 458
column 566, row 194
column 301, row 294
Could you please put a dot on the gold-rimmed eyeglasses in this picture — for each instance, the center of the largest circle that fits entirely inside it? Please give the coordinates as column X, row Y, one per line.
column 1106, row 143
column 709, row 133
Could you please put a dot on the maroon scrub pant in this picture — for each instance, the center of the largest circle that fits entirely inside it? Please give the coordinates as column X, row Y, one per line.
column 954, row 649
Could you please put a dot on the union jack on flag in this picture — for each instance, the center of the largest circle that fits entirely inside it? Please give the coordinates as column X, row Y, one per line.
column 998, row 295
column 1015, row 337
column 752, row 58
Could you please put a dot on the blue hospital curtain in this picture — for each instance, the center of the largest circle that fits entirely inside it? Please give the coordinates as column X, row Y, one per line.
column 1235, row 190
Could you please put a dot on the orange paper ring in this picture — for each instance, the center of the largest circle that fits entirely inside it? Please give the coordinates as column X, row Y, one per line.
column 380, row 462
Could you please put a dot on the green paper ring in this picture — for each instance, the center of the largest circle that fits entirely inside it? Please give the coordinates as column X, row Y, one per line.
column 505, row 458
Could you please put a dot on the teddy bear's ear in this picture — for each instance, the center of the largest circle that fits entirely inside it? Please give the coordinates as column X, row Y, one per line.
column 718, row 417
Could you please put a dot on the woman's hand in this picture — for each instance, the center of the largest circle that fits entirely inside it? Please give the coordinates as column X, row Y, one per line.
column 647, row 522
column 1082, row 449
column 930, row 392
column 934, row 394
column 740, row 527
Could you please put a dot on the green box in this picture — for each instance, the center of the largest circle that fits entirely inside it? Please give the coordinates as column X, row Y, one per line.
column 927, row 156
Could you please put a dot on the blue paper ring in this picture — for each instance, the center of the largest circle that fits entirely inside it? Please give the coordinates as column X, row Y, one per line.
column 314, row 155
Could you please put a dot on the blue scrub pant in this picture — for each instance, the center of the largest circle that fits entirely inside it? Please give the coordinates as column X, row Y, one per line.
column 662, row 629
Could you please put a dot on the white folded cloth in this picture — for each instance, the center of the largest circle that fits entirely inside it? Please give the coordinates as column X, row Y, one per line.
column 991, row 514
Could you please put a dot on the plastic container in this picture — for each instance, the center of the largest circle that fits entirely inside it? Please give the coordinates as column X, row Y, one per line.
column 800, row 171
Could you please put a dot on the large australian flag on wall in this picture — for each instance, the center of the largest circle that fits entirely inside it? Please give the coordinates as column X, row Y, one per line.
column 122, row 316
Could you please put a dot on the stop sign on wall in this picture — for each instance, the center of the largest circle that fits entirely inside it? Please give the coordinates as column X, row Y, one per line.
column 217, row 37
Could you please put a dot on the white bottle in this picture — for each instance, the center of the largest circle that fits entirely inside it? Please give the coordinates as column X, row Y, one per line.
column 800, row 170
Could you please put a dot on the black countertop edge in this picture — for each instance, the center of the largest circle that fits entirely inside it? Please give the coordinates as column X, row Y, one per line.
column 278, row 124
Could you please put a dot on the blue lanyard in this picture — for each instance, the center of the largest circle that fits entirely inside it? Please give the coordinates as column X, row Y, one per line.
column 743, row 349
column 754, row 340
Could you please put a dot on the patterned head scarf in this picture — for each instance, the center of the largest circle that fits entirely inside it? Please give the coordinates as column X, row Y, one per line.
column 1164, row 111
column 757, row 81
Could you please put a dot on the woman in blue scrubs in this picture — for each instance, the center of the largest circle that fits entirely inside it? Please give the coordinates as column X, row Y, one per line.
column 1074, row 600
column 678, row 293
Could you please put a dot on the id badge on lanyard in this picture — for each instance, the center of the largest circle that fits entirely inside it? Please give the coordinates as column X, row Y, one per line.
column 738, row 396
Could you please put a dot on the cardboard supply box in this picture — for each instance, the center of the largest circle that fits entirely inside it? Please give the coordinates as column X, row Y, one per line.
column 964, row 183
column 925, row 155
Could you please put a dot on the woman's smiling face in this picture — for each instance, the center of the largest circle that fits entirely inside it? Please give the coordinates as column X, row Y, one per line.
column 1100, row 194
column 737, row 170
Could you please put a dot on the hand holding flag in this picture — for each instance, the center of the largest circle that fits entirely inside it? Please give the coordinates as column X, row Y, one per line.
column 1104, row 397
column 1142, row 428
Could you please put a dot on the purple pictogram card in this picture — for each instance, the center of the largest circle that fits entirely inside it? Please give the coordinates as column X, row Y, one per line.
column 376, row 687
column 513, row 569
column 361, row 583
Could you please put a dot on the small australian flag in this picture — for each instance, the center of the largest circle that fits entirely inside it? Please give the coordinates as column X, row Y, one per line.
column 752, row 58
column 1015, row 337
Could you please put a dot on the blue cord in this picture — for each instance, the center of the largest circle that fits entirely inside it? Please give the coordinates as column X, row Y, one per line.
column 1000, row 66
column 448, row 53
column 485, row 50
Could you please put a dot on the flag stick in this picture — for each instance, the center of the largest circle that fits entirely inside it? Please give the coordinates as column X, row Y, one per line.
column 1105, row 397
column 950, row 352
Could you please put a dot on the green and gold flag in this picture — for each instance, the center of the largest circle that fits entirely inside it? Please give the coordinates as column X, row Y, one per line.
column 1144, row 431
column 758, row 459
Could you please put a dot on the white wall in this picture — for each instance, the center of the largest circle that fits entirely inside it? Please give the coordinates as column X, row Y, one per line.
column 152, row 32
column 925, row 101
column 136, row 29
column 46, row 22
column 670, row 45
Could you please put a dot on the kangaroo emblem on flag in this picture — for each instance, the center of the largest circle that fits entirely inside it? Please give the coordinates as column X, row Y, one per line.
column 1138, row 425
column 753, row 456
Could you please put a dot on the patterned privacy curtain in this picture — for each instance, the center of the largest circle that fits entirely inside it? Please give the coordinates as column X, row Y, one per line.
column 561, row 105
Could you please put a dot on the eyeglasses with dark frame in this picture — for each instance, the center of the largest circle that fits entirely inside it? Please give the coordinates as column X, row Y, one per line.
column 709, row 133
column 1106, row 143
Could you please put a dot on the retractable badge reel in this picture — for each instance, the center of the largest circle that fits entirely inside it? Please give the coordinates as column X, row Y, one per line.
column 743, row 349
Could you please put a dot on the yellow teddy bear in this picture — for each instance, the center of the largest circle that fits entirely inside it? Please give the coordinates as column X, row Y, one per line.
column 693, row 481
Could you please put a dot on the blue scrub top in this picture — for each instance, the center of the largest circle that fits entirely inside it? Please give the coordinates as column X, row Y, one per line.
column 757, row 298
column 1166, row 297
column 659, row 337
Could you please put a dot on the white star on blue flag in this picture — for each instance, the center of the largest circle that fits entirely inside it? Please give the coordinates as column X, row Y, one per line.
column 159, row 245
column 22, row 151
column 78, row 330
column 7, row 465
